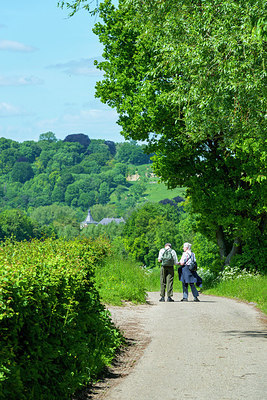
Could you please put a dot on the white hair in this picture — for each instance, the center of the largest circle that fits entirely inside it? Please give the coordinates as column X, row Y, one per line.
column 187, row 245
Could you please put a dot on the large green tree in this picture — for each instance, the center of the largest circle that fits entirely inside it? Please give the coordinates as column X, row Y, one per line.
column 187, row 77
column 15, row 223
column 22, row 172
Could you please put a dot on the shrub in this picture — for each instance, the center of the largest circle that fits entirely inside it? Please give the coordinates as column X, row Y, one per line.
column 55, row 334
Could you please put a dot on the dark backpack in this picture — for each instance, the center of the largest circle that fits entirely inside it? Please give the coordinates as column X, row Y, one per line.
column 192, row 265
column 167, row 258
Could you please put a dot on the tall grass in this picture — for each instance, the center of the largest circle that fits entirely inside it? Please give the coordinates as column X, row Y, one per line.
column 120, row 279
column 247, row 287
column 251, row 289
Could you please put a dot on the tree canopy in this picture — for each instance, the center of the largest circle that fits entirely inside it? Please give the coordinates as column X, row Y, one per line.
column 77, row 172
column 188, row 77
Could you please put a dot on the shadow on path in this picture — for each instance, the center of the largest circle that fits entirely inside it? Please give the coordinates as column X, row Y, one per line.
column 262, row 334
column 109, row 375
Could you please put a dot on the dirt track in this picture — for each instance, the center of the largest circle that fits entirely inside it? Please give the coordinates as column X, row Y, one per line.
column 215, row 349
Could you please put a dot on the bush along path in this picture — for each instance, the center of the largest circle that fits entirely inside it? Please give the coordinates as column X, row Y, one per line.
column 212, row 349
column 55, row 335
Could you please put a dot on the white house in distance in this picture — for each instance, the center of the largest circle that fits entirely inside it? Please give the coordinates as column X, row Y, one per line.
column 105, row 221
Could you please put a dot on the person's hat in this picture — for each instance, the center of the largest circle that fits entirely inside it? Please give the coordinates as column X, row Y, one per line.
column 168, row 244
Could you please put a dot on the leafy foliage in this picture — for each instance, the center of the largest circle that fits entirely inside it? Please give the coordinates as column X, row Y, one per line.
column 16, row 224
column 78, row 171
column 55, row 334
column 22, row 172
column 188, row 78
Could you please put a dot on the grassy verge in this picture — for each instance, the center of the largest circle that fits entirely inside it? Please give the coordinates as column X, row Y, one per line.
column 251, row 289
column 120, row 279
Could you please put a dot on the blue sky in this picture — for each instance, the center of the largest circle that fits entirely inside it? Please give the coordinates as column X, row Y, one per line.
column 47, row 76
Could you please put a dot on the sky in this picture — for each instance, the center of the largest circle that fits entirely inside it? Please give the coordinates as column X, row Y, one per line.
column 47, row 75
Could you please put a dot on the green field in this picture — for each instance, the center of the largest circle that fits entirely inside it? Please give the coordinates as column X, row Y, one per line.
column 159, row 191
column 155, row 190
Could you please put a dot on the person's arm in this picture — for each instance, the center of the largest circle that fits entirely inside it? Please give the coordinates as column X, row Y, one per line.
column 182, row 260
column 176, row 262
column 160, row 255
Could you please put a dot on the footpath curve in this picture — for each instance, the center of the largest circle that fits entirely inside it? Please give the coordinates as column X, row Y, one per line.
column 215, row 349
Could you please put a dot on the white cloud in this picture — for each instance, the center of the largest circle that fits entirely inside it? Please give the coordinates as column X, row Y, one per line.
column 89, row 116
column 15, row 46
column 84, row 66
column 8, row 110
column 97, row 123
column 19, row 81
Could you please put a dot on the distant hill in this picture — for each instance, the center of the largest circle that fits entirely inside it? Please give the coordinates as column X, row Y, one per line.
column 79, row 172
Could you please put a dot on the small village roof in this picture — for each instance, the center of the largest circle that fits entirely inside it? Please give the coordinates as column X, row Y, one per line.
column 88, row 220
column 106, row 221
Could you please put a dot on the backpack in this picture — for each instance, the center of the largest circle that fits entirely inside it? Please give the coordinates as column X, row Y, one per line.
column 167, row 258
column 192, row 265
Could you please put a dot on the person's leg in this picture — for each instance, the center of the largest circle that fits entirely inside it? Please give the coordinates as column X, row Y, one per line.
column 170, row 275
column 185, row 291
column 194, row 290
column 162, row 282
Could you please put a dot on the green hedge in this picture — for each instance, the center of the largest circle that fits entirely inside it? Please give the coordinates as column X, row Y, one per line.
column 55, row 335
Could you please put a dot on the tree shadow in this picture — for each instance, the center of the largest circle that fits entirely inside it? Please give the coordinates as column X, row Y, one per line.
column 252, row 333
column 108, row 376
column 192, row 301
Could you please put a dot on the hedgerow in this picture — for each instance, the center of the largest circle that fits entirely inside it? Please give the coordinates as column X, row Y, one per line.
column 55, row 335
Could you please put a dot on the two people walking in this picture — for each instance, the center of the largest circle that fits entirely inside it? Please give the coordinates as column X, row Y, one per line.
column 168, row 258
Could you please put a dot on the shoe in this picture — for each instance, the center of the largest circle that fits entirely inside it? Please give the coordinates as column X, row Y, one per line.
column 162, row 299
column 184, row 300
column 169, row 299
column 196, row 299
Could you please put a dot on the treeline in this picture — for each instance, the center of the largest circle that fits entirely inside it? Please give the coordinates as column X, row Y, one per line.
column 47, row 186
column 77, row 171
column 145, row 231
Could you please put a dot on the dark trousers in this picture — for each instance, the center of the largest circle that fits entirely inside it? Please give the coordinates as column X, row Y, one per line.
column 193, row 290
column 166, row 281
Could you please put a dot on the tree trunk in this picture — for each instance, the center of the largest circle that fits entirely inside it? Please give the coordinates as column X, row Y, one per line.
column 221, row 242
column 233, row 252
column 263, row 223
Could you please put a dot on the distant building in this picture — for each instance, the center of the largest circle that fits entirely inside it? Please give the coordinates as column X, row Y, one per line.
column 105, row 221
column 88, row 220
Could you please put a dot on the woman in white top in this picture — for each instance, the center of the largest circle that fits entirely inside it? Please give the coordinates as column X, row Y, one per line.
column 185, row 275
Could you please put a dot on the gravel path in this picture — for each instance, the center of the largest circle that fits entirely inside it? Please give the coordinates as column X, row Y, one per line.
column 215, row 349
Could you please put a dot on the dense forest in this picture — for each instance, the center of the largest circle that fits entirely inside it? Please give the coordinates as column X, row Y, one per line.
column 76, row 171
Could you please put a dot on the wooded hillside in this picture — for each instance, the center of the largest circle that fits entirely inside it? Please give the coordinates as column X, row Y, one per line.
column 78, row 171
